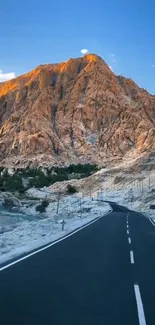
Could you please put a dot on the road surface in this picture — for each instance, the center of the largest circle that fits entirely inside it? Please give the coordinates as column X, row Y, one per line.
column 102, row 275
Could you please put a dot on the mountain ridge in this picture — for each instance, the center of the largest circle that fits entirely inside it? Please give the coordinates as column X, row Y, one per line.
column 71, row 112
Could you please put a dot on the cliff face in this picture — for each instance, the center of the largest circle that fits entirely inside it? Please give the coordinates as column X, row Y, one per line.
column 76, row 111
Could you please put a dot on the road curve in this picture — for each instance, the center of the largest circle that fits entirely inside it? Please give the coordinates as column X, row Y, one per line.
column 101, row 275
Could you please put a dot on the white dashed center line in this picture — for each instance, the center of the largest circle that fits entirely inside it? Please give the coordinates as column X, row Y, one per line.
column 140, row 309
column 132, row 257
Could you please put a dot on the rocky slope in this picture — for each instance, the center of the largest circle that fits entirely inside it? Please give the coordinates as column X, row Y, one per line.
column 76, row 111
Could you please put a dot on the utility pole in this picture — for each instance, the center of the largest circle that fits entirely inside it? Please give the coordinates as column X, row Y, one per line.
column 142, row 187
column 58, row 202
column 133, row 187
column 137, row 185
column 149, row 183
column 80, row 209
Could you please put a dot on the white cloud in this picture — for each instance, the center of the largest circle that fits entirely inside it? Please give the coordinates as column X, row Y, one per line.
column 84, row 51
column 110, row 67
column 153, row 65
column 6, row 76
column 113, row 55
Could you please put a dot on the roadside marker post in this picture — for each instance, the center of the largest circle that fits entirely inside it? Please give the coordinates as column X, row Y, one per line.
column 63, row 224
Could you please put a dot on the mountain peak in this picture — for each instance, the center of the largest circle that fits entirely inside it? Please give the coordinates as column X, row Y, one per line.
column 71, row 112
column 92, row 57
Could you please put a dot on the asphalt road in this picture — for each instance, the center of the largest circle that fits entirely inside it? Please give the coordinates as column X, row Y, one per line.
column 89, row 278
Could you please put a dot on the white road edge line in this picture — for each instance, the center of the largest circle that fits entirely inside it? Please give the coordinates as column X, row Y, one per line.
column 152, row 222
column 129, row 240
column 51, row 244
column 140, row 308
column 132, row 257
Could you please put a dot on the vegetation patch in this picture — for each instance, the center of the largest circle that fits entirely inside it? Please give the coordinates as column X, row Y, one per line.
column 42, row 207
column 23, row 179
column 71, row 189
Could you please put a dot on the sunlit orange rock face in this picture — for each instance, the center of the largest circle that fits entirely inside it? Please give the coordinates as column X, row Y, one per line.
column 75, row 111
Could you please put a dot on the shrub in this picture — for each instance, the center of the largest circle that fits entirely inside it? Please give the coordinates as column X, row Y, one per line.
column 11, row 183
column 42, row 207
column 22, row 190
column 76, row 169
column 71, row 189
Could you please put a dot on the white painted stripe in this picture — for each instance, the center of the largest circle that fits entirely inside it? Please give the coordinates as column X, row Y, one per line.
column 127, row 226
column 140, row 308
column 128, row 232
column 51, row 244
column 129, row 240
column 152, row 222
column 132, row 257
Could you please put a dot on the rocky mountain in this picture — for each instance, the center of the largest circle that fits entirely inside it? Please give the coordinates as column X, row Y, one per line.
column 75, row 111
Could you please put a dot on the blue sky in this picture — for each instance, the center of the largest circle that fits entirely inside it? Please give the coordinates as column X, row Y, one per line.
column 121, row 31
